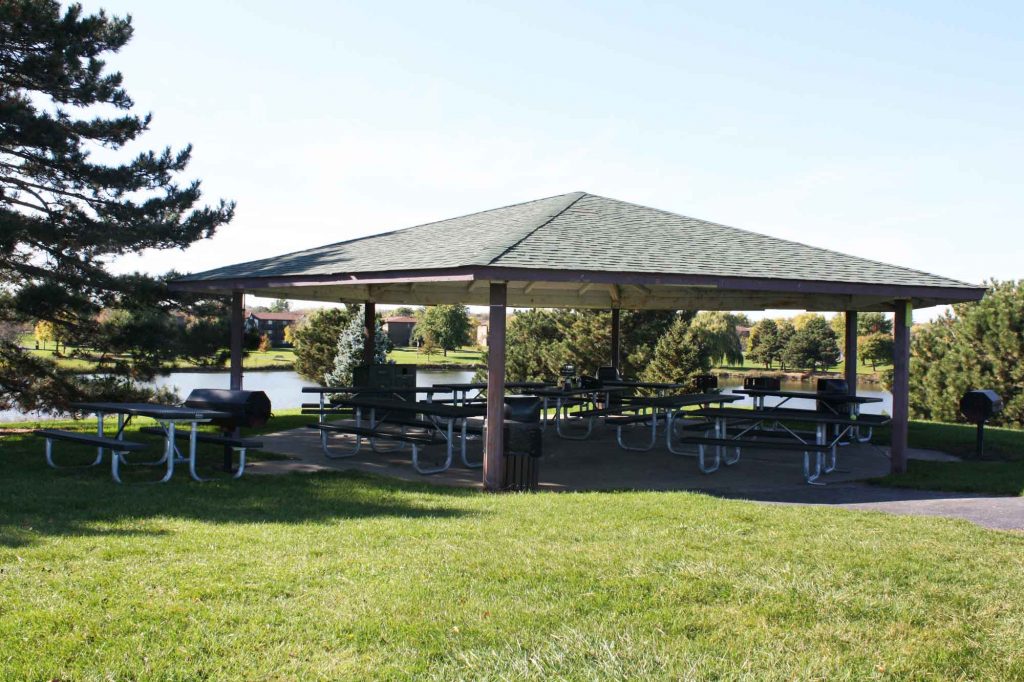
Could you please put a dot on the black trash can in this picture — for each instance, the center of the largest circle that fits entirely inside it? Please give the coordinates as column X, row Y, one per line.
column 523, row 443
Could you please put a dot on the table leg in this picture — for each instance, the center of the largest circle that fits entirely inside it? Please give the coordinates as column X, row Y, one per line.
column 169, row 452
column 192, row 443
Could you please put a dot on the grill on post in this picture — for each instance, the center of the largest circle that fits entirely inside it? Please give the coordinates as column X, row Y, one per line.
column 247, row 408
column 762, row 383
column 978, row 407
column 827, row 387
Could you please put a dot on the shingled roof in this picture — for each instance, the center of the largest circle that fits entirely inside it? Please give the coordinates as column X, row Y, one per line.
column 584, row 238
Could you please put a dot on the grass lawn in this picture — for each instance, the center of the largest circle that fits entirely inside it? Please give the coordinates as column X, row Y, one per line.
column 412, row 356
column 276, row 358
column 334, row 576
column 1002, row 477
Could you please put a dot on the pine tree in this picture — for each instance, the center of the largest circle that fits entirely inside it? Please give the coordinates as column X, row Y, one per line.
column 349, row 350
column 681, row 354
column 64, row 212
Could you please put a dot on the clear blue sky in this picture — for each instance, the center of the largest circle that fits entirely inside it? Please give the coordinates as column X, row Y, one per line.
column 892, row 130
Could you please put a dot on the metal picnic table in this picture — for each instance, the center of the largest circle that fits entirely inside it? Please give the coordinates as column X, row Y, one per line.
column 440, row 417
column 782, row 421
column 168, row 416
column 566, row 397
column 853, row 403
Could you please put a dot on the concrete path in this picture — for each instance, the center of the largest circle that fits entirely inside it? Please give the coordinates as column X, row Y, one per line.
column 990, row 511
column 599, row 464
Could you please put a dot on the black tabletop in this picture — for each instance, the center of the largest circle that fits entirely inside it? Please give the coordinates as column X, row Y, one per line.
column 629, row 383
column 373, row 390
column 810, row 416
column 482, row 385
column 810, row 395
column 433, row 409
column 683, row 400
column 556, row 392
column 158, row 412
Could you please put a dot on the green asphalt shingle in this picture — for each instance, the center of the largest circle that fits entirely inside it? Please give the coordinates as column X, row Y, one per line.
column 582, row 232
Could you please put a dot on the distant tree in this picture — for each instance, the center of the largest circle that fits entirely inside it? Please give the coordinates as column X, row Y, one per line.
column 405, row 311
column 875, row 349
column 722, row 342
column 264, row 344
column 532, row 346
column 867, row 323
column 765, row 345
column 137, row 341
column 280, row 305
column 873, row 323
column 427, row 347
column 45, row 332
column 681, row 354
column 70, row 198
column 786, row 332
column 316, row 340
column 447, row 325
column 800, row 320
column 641, row 331
column 289, row 334
column 203, row 340
column 814, row 345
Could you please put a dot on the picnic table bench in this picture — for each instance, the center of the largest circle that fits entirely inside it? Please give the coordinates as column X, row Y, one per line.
column 436, row 426
column 752, row 422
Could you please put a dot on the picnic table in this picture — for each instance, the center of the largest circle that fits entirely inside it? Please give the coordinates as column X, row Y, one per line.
column 784, row 422
column 588, row 398
column 663, row 408
column 431, row 419
column 167, row 416
column 829, row 400
column 463, row 389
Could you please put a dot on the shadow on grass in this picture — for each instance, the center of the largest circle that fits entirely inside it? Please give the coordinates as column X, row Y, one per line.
column 37, row 501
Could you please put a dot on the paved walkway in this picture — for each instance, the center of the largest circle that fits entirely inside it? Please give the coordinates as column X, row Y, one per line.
column 599, row 464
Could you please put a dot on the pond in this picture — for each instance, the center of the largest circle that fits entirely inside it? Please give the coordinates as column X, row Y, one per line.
column 285, row 388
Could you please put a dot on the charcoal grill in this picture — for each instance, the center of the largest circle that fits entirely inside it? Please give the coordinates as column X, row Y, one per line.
column 248, row 409
column 978, row 407
column 762, row 383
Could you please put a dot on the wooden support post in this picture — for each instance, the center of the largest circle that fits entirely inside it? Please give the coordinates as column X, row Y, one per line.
column 850, row 351
column 494, row 447
column 237, row 323
column 369, row 331
column 900, row 385
column 616, row 344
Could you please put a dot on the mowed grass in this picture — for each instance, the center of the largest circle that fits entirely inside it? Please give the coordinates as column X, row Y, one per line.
column 1005, row 476
column 333, row 576
column 412, row 356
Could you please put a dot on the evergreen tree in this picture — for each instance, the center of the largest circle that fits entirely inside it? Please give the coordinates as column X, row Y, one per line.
column 349, row 350
column 765, row 346
column 280, row 305
column 786, row 332
column 681, row 354
column 875, row 349
column 813, row 345
column 972, row 346
column 65, row 212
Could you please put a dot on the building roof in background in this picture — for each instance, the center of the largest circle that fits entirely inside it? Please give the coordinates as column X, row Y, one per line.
column 401, row 318
column 287, row 316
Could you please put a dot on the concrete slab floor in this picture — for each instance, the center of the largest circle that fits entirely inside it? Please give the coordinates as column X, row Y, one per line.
column 597, row 463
